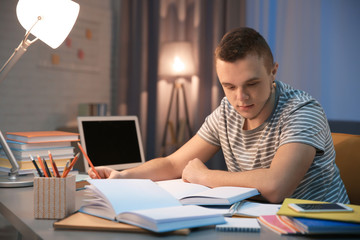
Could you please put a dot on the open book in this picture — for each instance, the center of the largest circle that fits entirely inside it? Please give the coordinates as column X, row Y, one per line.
column 143, row 203
column 190, row 193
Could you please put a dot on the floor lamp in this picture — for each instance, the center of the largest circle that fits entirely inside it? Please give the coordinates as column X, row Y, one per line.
column 51, row 22
column 176, row 62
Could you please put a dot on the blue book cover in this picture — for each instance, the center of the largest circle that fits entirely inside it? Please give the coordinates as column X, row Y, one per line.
column 319, row 226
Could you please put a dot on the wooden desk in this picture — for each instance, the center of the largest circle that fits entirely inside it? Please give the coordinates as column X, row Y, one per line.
column 16, row 205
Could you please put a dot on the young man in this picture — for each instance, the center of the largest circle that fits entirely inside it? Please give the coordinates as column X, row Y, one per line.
column 274, row 138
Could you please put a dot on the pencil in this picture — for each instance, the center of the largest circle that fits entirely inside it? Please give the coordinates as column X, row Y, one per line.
column 47, row 168
column 36, row 166
column 88, row 159
column 71, row 165
column 65, row 168
column 42, row 166
column 53, row 164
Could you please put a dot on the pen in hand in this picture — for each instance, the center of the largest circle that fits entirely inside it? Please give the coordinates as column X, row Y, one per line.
column 88, row 159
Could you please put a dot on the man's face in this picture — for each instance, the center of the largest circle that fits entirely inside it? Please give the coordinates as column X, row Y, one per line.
column 247, row 84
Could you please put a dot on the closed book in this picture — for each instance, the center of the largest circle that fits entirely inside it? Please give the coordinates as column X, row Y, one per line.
column 239, row 225
column 337, row 216
column 27, row 167
column 45, row 156
column 42, row 136
column 20, row 172
column 190, row 193
column 142, row 203
column 28, row 146
column 19, row 154
column 318, row 226
column 276, row 224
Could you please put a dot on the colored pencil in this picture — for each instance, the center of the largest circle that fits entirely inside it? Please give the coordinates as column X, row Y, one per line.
column 47, row 168
column 66, row 168
column 71, row 165
column 88, row 159
column 42, row 166
column 36, row 166
column 53, row 164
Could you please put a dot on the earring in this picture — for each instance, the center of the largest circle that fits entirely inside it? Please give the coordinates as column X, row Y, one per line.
column 274, row 84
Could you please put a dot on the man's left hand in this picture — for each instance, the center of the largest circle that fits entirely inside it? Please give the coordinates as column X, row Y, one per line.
column 195, row 171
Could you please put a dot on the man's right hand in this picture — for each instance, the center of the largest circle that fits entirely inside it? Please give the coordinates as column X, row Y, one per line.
column 104, row 172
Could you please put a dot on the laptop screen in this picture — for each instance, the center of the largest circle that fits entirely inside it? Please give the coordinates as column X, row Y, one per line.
column 113, row 141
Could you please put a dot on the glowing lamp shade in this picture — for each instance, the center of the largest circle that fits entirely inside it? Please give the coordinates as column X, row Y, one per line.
column 176, row 59
column 57, row 19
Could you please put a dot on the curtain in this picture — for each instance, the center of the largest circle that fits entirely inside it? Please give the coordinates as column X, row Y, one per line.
column 134, row 71
column 141, row 27
column 203, row 23
column 292, row 29
column 314, row 42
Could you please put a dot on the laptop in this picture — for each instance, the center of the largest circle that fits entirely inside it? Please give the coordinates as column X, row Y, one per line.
column 111, row 141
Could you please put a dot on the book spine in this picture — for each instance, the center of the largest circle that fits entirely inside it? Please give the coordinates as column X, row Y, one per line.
column 236, row 229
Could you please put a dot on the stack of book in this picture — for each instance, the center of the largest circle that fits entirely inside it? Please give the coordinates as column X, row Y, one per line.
column 289, row 222
column 39, row 143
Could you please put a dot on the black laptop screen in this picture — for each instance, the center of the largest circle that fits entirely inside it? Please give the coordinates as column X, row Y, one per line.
column 111, row 142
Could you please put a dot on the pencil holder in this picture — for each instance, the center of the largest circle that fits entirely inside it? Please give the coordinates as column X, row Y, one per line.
column 54, row 198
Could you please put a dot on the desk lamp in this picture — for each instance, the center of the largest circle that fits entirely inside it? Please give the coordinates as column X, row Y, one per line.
column 50, row 21
column 176, row 62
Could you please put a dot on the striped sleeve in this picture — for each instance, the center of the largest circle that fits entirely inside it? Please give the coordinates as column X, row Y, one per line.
column 306, row 124
column 209, row 130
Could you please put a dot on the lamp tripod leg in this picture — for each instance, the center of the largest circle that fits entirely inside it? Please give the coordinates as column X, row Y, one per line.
column 186, row 112
column 163, row 144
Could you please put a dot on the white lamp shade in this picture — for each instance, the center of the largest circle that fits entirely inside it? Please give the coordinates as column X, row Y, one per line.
column 57, row 19
column 176, row 59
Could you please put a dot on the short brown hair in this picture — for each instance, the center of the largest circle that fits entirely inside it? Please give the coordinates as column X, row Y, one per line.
column 241, row 42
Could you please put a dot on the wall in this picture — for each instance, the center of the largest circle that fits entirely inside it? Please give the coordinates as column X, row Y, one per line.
column 37, row 95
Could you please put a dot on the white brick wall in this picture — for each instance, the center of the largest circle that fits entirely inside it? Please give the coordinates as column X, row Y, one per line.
column 34, row 97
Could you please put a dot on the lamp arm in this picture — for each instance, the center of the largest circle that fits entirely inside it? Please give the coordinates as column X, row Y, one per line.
column 19, row 51
column 5, row 69
column 14, row 165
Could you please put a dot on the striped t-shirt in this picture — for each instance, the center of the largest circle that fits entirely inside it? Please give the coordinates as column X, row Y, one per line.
column 297, row 117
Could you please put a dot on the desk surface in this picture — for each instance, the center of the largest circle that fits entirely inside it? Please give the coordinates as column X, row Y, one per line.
column 17, row 204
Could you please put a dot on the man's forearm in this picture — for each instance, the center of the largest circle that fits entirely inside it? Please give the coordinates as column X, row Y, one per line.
column 269, row 186
column 275, row 183
column 156, row 170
